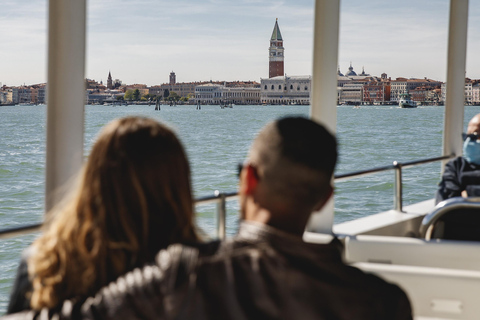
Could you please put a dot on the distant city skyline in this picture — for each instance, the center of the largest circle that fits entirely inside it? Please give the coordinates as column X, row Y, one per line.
column 143, row 41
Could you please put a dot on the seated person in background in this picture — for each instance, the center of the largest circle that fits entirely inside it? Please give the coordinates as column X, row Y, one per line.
column 462, row 174
column 266, row 271
column 133, row 199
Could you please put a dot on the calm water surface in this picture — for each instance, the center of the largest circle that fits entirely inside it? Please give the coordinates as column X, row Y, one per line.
column 216, row 140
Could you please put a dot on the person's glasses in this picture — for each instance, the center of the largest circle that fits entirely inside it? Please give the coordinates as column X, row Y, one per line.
column 472, row 136
column 239, row 169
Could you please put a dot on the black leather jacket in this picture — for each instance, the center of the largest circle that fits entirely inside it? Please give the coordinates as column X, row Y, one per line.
column 260, row 274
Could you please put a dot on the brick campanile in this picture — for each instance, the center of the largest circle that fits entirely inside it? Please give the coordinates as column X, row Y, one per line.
column 275, row 53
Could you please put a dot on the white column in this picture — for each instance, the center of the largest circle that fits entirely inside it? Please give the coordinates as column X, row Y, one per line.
column 66, row 95
column 324, row 87
column 455, row 85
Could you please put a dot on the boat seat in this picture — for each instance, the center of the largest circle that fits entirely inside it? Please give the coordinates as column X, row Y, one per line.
column 433, row 292
column 413, row 251
column 453, row 219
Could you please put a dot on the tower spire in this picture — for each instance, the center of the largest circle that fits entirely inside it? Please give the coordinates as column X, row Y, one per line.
column 276, row 67
column 109, row 81
column 276, row 35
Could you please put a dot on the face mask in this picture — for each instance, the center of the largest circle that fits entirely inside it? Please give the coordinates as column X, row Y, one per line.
column 471, row 151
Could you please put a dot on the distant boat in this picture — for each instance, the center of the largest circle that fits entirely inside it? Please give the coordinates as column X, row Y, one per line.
column 226, row 105
column 406, row 101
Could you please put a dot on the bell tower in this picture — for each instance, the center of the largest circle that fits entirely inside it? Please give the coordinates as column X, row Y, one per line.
column 109, row 81
column 275, row 53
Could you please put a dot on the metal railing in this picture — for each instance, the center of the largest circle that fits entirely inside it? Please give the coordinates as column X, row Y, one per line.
column 397, row 166
column 220, row 198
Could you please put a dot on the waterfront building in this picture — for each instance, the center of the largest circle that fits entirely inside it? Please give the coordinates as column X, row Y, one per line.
column 403, row 85
column 141, row 87
column 117, row 83
column 444, row 91
column 13, row 95
column 476, row 93
column 34, row 95
column 350, row 93
column 42, row 94
column 342, row 80
column 285, row 90
column 425, row 95
column 9, row 94
column 469, row 89
column 351, row 76
column 94, row 96
column 24, row 94
column 186, row 89
column 209, row 93
column 92, row 84
column 183, row 89
column 3, row 97
column 156, row 90
column 37, row 93
column 376, row 91
column 241, row 95
column 433, row 97
column 276, row 53
column 236, row 92
column 350, row 88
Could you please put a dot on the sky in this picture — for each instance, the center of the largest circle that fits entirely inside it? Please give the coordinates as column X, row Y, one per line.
column 142, row 41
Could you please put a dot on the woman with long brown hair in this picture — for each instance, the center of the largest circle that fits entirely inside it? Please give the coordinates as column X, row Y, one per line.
column 133, row 199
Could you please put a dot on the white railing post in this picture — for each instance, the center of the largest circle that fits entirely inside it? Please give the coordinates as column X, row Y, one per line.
column 398, row 190
column 221, row 215
column 323, row 93
column 455, row 84
column 66, row 94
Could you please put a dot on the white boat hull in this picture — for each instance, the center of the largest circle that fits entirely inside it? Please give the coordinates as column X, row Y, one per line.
column 407, row 104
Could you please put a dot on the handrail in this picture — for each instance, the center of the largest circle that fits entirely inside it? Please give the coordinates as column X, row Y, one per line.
column 356, row 174
column 220, row 198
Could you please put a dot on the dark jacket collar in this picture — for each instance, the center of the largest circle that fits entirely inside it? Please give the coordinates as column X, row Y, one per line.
column 253, row 233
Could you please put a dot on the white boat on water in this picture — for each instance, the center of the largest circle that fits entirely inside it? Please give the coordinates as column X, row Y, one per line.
column 405, row 245
column 406, row 101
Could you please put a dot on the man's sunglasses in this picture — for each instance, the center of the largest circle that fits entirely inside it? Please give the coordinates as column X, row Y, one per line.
column 472, row 136
column 239, row 169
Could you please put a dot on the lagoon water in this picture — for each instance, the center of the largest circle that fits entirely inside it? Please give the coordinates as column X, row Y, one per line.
column 216, row 140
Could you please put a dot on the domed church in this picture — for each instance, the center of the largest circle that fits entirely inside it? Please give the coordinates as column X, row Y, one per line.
column 350, row 72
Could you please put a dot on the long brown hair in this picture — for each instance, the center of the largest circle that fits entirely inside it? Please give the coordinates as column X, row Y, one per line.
column 134, row 198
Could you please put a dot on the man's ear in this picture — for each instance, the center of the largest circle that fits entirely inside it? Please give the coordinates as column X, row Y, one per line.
column 324, row 199
column 251, row 179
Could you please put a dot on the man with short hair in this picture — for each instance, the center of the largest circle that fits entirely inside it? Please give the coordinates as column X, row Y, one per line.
column 288, row 173
column 461, row 177
column 267, row 271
